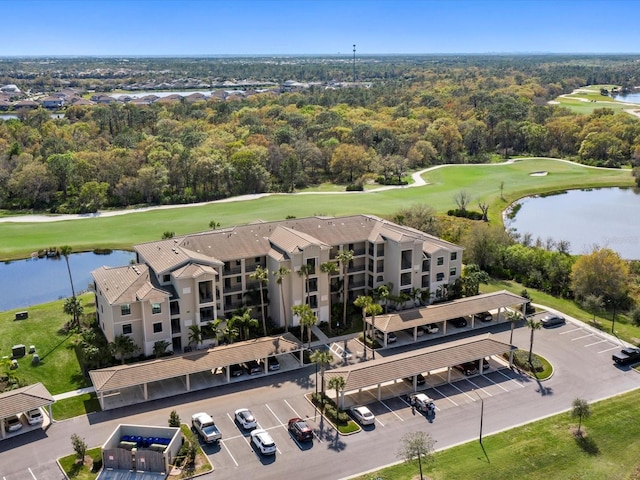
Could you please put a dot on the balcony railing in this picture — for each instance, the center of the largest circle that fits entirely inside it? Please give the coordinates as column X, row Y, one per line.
column 233, row 288
column 231, row 271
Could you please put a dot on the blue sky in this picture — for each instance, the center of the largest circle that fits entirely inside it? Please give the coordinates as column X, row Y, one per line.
column 210, row 27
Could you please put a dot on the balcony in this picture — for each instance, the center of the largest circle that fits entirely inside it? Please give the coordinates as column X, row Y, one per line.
column 357, row 268
column 233, row 288
column 231, row 271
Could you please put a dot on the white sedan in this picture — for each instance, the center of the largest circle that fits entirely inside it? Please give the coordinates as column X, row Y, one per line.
column 363, row 415
column 245, row 418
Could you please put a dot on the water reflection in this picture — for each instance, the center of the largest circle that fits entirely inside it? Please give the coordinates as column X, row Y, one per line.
column 34, row 281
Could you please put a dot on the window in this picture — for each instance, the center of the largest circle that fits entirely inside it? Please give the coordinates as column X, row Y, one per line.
column 425, row 281
column 126, row 329
column 166, row 278
column 205, row 290
column 313, row 284
column 380, row 250
column 175, row 325
column 454, row 256
column 313, row 301
column 206, row 314
column 405, row 261
column 405, row 279
column 311, row 263
column 238, row 263
column 156, row 308
column 125, row 309
column 440, row 261
column 452, row 272
column 174, row 307
column 157, row 327
column 439, row 277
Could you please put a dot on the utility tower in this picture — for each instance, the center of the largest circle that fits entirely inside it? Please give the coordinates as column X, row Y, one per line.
column 354, row 64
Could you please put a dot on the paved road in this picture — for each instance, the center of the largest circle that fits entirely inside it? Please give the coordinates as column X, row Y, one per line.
column 583, row 368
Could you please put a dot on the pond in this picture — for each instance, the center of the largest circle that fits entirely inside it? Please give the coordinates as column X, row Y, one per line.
column 629, row 97
column 39, row 280
column 607, row 217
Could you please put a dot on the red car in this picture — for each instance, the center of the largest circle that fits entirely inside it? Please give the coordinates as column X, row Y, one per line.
column 300, row 430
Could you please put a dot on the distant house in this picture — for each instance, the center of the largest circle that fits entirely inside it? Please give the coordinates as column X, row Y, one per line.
column 4, row 105
column 10, row 88
column 53, row 101
column 104, row 99
column 25, row 104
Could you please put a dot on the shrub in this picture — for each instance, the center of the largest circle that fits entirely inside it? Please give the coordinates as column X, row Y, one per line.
column 355, row 188
column 521, row 359
column 470, row 214
column 174, row 419
column 79, row 446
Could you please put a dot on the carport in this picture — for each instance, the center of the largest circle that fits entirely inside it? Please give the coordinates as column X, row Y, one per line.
column 440, row 313
column 15, row 402
column 409, row 364
column 140, row 382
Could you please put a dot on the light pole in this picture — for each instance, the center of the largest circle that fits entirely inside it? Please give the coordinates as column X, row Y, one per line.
column 316, row 379
column 481, row 414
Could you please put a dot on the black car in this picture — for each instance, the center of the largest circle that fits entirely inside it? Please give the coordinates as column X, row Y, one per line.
column 273, row 363
column 459, row 322
column 236, row 370
column 252, row 367
column 420, row 380
column 468, row 368
column 483, row 317
column 627, row 356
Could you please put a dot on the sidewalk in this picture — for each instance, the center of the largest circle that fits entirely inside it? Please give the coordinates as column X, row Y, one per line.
column 73, row 393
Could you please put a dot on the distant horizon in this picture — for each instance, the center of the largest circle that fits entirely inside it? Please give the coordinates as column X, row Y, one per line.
column 177, row 28
column 337, row 55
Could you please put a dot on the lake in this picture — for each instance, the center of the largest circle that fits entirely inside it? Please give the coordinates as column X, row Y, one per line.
column 39, row 280
column 607, row 217
column 629, row 97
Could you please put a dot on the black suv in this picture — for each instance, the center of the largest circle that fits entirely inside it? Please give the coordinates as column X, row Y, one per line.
column 459, row 322
column 252, row 367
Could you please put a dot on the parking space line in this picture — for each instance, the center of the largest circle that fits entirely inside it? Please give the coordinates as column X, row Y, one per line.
column 387, row 407
column 609, row 349
column 463, row 392
column 595, row 343
column 34, row 477
column 378, row 420
column 229, row 452
column 273, row 413
column 445, row 396
column 478, row 387
column 570, row 331
column 496, row 384
column 298, row 415
column 514, row 380
column 583, row 336
column 315, row 415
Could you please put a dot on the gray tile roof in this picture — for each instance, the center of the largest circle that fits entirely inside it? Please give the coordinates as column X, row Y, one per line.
column 394, row 322
column 24, row 399
column 123, row 376
column 374, row 372
column 121, row 285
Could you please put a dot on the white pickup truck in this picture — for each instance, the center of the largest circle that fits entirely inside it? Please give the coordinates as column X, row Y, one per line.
column 206, row 428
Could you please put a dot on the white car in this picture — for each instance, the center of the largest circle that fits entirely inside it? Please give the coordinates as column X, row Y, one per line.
column 420, row 401
column 245, row 418
column 34, row 416
column 363, row 415
column 263, row 442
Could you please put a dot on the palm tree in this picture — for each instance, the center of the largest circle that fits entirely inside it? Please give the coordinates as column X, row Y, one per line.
column 363, row 301
column 195, row 335
column 307, row 318
column 373, row 310
column 123, row 346
column 74, row 308
column 160, row 347
column 580, row 410
column 533, row 325
column 322, row 358
column 337, row 383
column 280, row 274
column 230, row 331
column 262, row 275
column 344, row 257
column 65, row 251
column 306, row 270
column 512, row 318
column 382, row 293
column 330, row 268
column 244, row 322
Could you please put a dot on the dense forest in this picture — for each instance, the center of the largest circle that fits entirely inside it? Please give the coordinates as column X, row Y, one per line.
column 413, row 112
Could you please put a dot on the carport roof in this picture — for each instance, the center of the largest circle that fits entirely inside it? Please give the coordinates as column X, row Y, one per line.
column 123, row 376
column 411, row 363
column 394, row 322
column 24, row 399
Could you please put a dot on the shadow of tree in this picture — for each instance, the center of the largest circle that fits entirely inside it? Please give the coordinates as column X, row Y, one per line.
column 587, row 444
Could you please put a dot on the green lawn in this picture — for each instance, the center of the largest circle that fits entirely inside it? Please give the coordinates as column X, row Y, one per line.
column 576, row 101
column 544, row 450
column 482, row 182
column 58, row 369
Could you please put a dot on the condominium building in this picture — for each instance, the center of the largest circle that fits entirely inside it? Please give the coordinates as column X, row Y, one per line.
column 197, row 278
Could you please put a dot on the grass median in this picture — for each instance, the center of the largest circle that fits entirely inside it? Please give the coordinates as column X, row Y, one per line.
column 544, row 450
